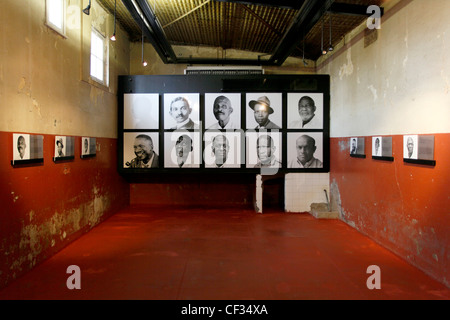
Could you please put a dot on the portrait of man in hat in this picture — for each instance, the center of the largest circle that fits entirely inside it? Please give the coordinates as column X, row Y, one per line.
column 59, row 147
column 262, row 109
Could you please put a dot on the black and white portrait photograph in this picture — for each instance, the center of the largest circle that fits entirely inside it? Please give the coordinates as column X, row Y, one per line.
column 182, row 149
column 263, row 150
column 264, row 110
column 353, row 145
column 181, row 111
column 305, row 110
column 141, row 150
column 88, row 146
column 64, row 148
column 21, row 146
column 141, row 111
column 223, row 111
column 305, row 150
column 222, row 149
column 60, row 146
column 410, row 147
column 377, row 145
column 85, row 146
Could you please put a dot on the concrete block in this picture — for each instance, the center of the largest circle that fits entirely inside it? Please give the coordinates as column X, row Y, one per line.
column 320, row 211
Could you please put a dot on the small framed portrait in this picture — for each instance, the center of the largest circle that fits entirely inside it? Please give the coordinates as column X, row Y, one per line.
column 357, row 147
column 181, row 111
column 263, row 150
column 353, row 145
column 27, row 148
column 88, row 147
column 410, row 147
column 64, row 148
column 223, row 149
column 305, row 110
column 222, row 111
column 21, row 146
column 377, row 146
column 305, row 150
column 182, row 149
column 264, row 110
column 141, row 111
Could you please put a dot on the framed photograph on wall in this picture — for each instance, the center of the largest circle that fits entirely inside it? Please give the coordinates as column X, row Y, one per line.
column 382, row 148
column 263, row 149
column 264, row 110
column 419, row 149
column 357, row 147
column 305, row 110
column 181, row 111
column 141, row 111
column 222, row 111
column 21, row 146
column 377, row 145
column 88, row 147
column 410, row 146
column 27, row 148
column 64, row 148
column 141, row 150
column 305, row 150
column 223, row 149
column 182, row 149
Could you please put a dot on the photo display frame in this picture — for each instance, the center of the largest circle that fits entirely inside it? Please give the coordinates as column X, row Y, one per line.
column 382, row 148
column 88, row 147
column 215, row 123
column 357, row 147
column 27, row 149
column 64, row 148
column 419, row 149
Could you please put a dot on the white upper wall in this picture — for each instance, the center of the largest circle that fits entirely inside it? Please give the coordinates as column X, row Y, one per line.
column 45, row 85
column 399, row 84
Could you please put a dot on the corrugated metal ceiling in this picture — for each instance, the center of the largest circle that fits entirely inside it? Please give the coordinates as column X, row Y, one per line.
column 255, row 26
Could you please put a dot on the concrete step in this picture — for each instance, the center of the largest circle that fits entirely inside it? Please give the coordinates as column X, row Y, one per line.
column 321, row 211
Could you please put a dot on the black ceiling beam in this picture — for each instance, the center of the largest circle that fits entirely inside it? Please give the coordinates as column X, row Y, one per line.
column 148, row 33
column 306, row 18
column 351, row 9
column 157, row 29
column 155, row 35
column 286, row 4
column 164, row 49
column 233, row 62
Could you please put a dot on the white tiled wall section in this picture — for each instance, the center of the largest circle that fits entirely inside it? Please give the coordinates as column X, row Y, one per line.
column 302, row 189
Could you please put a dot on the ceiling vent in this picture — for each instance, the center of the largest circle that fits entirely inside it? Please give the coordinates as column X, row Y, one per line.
column 225, row 71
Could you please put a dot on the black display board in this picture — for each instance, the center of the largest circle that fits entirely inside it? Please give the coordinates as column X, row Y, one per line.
column 151, row 107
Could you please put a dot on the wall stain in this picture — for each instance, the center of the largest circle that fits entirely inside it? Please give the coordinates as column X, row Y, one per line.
column 36, row 238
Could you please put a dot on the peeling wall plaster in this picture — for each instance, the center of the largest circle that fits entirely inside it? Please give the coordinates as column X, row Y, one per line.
column 45, row 89
column 383, row 88
column 398, row 85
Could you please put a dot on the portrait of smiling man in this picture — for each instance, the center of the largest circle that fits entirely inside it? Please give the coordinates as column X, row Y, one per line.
column 305, row 111
column 145, row 155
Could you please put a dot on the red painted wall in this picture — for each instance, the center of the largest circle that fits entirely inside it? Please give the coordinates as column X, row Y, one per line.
column 404, row 207
column 46, row 206
column 195, row 190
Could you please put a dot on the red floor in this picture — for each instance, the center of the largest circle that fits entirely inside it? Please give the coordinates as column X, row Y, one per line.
column 226, row 254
